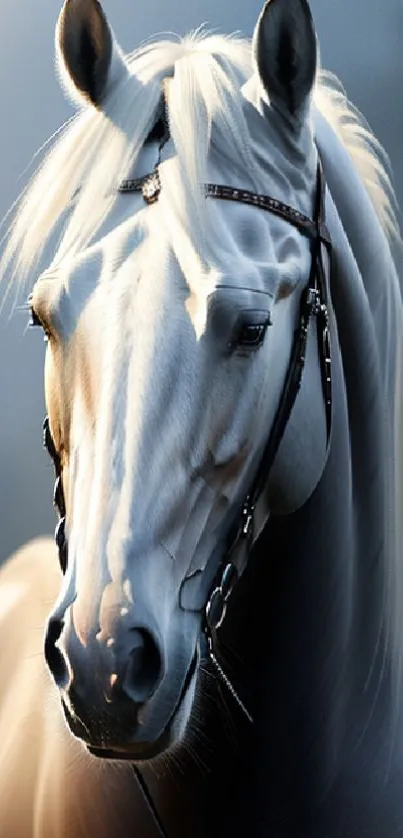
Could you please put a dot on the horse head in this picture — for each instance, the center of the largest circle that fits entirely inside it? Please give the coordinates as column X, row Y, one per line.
column 170, row 321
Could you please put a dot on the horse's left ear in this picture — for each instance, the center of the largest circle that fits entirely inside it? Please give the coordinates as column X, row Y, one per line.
column 86, row 50
column 285, row 51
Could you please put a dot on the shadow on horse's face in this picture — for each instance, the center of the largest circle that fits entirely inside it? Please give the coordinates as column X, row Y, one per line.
column 160, row 404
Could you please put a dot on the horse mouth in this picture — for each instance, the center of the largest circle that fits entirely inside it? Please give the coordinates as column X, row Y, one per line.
column 144, row 751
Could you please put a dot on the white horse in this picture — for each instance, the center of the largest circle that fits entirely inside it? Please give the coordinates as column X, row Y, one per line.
column 225, row 419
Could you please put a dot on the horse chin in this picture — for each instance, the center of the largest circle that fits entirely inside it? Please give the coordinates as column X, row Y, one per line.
column 143, row 751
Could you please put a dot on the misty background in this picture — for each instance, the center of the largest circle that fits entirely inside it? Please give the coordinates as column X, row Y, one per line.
column 360, row 40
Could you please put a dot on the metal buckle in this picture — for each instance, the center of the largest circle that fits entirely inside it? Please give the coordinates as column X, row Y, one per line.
column 151, row 187
column 313, row 301
column 216, row 607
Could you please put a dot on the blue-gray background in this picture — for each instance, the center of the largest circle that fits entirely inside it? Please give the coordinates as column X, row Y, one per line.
column 361, row 40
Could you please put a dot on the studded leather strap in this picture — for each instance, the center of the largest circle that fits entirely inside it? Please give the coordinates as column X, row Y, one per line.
column 303, row 224
column 150, row 186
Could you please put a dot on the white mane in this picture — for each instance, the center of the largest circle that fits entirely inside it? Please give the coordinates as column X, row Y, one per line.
column 98, row 148
column 366, row 151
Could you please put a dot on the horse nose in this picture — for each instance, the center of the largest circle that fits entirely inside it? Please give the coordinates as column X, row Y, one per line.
column 135, row 671
column 142, row 671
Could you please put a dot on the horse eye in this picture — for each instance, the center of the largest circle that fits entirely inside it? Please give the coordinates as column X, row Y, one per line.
column 250, row 330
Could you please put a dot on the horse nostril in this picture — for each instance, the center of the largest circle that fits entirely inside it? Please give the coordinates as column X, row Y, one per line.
column 143, row 670
column 53, row 656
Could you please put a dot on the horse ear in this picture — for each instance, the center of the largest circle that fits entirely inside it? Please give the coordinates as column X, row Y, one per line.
column 285, row 51
column 85, row 48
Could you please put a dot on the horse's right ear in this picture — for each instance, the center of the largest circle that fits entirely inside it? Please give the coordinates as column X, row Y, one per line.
column 86, row 51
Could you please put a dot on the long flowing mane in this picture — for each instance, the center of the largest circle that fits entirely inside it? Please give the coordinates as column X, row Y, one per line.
column 366, row 151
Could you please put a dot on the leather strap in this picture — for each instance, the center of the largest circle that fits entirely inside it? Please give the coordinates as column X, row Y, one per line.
column 303, row 224
column 314, row 302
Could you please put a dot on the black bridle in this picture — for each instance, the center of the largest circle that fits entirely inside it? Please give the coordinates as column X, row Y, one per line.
column 313, row 304
column 254, row 514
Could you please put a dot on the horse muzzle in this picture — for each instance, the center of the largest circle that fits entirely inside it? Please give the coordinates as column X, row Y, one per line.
column 122, row 697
